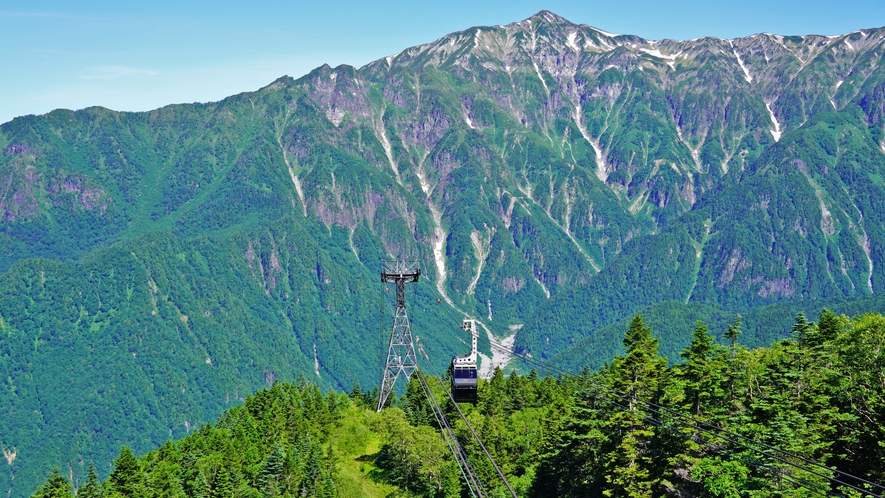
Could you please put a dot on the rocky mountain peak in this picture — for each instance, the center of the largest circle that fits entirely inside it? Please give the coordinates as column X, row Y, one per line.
column 546, row 17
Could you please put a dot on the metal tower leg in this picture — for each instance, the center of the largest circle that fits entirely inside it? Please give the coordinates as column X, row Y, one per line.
column 401, row 352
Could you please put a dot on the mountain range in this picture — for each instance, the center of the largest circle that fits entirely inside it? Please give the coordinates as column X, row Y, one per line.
column 553, row 178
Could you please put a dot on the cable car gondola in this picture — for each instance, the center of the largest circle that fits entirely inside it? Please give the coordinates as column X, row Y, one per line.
column 464, row 378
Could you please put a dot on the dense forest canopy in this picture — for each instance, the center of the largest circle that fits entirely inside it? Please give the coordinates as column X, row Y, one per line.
column 803, row 417
column 554, row 180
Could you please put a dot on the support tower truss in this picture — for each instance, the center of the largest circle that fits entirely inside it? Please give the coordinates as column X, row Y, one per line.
column 401, row 352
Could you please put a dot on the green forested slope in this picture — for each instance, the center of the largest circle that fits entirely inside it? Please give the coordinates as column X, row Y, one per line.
column 133, row 345
column 553, row 179
column 817, row 395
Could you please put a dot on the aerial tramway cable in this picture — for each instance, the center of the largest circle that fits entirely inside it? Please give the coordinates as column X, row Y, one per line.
column 700, row 425
column 655, row 407
column 470, row 427
column 473, row 482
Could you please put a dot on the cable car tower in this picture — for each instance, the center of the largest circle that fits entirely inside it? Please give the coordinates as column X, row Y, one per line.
column 401, row 352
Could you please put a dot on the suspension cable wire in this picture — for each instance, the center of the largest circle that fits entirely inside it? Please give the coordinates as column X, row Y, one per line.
column 719, row 447
column 713, row 427
column 475, row 436
column 658, row 410
column 701, row 424
column 445, row 435
column 451, row 433
column 548, row 366
column 449, row 437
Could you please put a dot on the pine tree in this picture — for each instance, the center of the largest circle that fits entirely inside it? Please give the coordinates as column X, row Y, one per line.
column 637, row 375
column 92, row 488
column 199, row 488
column 414, row 403
column 829, row 326
column 698, row 372
column 638, row 372
column 801, row 328
column 732, row 334
column 56, row 486
column 222, row 487
column 356, row 392
column 165, row 480
column 127, row 478
column 272, row 471
column 492, row 400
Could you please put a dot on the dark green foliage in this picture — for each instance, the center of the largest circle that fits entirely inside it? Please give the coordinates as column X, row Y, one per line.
column 222, row 487
column 272, row 445
column 594, row 434
column 674, row 321
column 127, row 479
column 828, row 328
column 801, row 329
column 92, row 488
column 733, row 333
column 55, row 486
column 181, row 258
column 797, row 400
column 700, row 371
column 416, row 458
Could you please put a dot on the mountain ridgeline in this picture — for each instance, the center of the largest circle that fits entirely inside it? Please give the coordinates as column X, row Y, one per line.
column 553, row 178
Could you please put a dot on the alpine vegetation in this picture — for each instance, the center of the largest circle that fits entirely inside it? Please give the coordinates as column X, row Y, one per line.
column 552, row 180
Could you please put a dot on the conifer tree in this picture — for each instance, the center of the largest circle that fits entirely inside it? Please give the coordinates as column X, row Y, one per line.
column 698, row 372
column 127, row 478
column 638, row 372
column 199, row 488
column 222, row 487
column 733, row 332
column 493, row 399
column 164, row 480
column 92, row 488
column 56, row 486
column 272, row 471
column 801, row 328
column 638, row 375
column 414, row 403
column 829, row 326
column 357, row 395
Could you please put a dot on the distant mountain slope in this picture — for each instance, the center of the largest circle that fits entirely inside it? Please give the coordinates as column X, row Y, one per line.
column 554, row 179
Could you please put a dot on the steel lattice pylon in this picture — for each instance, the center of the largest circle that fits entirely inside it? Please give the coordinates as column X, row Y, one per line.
column 401, row 353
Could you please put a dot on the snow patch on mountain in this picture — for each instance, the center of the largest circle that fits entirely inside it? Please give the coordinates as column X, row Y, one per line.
column 605, row 33
column 571, row 41
column 866, row 250
column 316, row 360
column 381, row 134
column 657, row 53
column 439, row 253
column 776, row 132
column 747, row 75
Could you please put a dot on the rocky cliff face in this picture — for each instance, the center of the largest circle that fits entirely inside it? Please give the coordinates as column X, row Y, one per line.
column 520, row 160
column 595, row 140
column 553, row 177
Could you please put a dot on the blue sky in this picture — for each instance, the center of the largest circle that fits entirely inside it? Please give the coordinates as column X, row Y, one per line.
column 140, row 55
